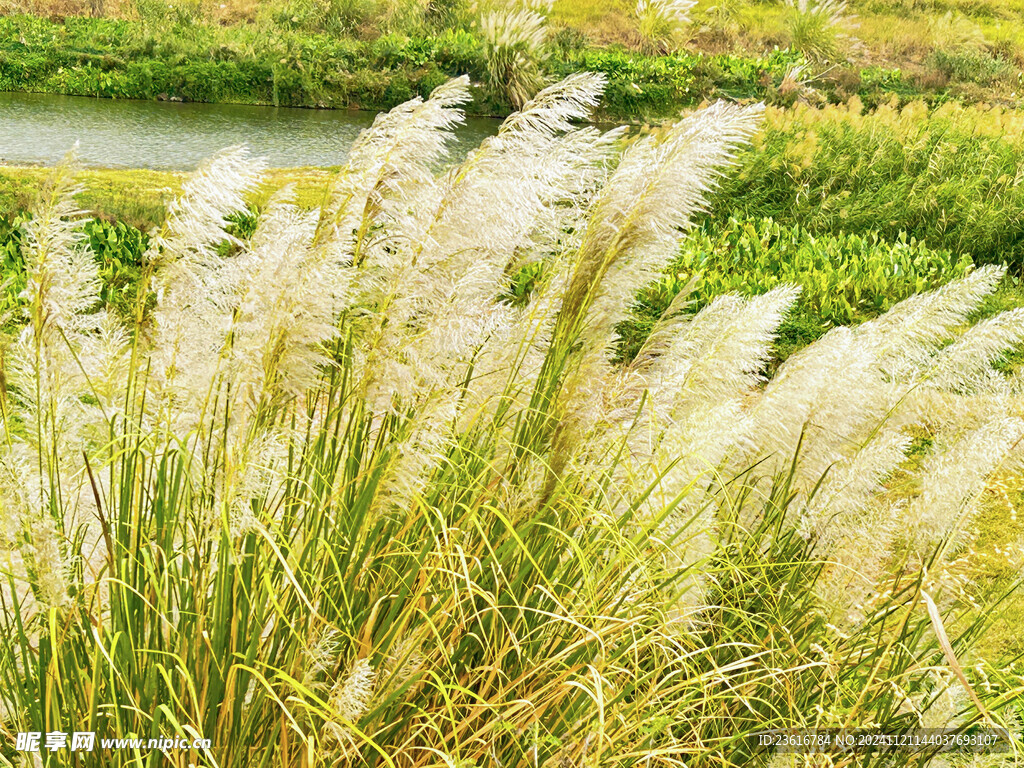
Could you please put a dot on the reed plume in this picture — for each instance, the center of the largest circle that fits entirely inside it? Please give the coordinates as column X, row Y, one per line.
column 335, row 497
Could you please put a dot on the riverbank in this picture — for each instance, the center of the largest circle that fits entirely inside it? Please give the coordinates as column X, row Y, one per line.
column 242, row 64
column 945, row 177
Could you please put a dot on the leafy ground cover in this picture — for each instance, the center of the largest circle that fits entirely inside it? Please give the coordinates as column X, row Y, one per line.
column 844, row 279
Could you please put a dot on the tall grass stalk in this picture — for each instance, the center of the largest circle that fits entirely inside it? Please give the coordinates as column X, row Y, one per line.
column 332, row 500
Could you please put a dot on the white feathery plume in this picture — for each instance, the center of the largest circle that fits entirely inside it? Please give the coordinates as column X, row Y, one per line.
column 720, row 354
column 348, row 701
column 269, row 311
column 634, row 227
column 197, row 218
column 830, row 395
column 833, row 11
column 852, row 481
column 62, row 279
column 190, row 318
column 253, row 472
column 513, row 50
column 953, row 478
column 443, row 303
column 514, row 27
column 849, row 396
column 535, row 162
column 858, row 562
column 577, row 166
column 697, row 381
column 322, row 656
column 835, row 392
column 691, row 366
column 419, row 446
column 662, row 19
column 386, row 167
column 552, row 111
column 104, row 357
column 639, row 215
column 444, row 314
column 284, row 299
column 55, row 370
column 34, row 533
column 388, row 189
column 854, row 525
column 406, row 142
column 964, row 367
column 350, row 698
column 907, row 335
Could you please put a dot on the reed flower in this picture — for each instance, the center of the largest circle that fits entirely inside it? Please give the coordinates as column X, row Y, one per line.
column 391, row 437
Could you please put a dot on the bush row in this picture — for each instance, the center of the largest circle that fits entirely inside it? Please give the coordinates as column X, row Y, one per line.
column 123, row 59
column 118, row 248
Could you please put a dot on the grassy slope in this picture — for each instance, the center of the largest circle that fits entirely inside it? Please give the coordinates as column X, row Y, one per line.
column 138, row 197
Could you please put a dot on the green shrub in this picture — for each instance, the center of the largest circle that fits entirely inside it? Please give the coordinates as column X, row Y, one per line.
column 970, row 65
column 12, row 276
column 116, row 247
column 844, row 279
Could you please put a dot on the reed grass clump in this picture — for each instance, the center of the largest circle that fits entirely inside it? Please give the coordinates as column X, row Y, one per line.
column 817, row 27
column 331, row 499
column 661, row 23
column 514, row 52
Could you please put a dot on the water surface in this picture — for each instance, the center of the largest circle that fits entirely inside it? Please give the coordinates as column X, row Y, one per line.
column 40, row 128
